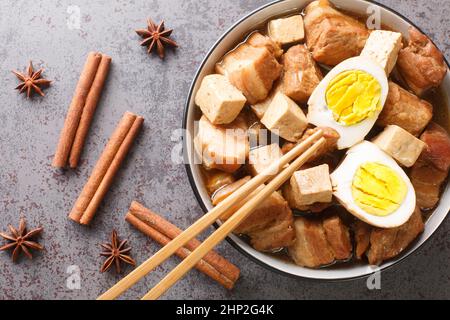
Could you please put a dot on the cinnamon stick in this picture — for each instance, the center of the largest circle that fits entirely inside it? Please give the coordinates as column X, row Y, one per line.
column 89, row 109
column 104, row 171
column 87, row 92
column 162, row 231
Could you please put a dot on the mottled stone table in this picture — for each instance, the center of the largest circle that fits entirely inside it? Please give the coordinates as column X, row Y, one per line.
column 29, row 129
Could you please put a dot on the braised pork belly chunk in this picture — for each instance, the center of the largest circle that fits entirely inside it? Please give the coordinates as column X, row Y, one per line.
column 251, row 69
column 399, row 144
column 421, row 63
column 431, row 169
column 384, row 244
column 287, row 30
column 405, row 110
column 256, row 40
column 308, row 186
column 320, row 242
column 216, row 179
column 269, row 226
column 223, row 147
column 300, row 73
column 331, row 35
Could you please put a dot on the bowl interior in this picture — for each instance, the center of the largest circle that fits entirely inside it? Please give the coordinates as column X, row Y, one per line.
column 233, row 36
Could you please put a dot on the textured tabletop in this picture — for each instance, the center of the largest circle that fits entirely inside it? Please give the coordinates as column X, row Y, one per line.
column 44, row 32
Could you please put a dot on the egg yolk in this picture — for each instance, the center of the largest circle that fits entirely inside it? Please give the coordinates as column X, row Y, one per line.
column 378, row 189
column 353, row 96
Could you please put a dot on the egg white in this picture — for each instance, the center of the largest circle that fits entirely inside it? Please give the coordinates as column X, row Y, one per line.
column 320, row 115
column 342, row 179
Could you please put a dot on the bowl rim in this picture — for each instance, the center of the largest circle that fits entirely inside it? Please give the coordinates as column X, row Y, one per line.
column 190, row 174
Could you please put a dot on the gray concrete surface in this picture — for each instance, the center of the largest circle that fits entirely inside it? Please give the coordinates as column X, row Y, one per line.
column 29, row 130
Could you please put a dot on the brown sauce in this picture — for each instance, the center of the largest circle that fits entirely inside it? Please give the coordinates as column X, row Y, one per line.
column 441, row 115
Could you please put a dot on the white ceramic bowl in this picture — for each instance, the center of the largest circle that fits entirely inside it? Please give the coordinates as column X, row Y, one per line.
column 226, row 42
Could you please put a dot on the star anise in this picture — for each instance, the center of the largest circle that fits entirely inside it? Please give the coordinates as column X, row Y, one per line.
column 21, row 240
column 116, row 251
column 31, row 81
column 156, row 35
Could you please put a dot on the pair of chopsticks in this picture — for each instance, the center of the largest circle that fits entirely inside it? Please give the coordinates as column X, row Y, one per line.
column 298, row 155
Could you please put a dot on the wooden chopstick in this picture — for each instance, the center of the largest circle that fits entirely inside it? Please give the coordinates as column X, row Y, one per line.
column 228, row 226
column 206, row 220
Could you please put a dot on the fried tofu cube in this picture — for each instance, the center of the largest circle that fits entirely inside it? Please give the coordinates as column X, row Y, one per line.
column 287, row 30
column 383, row 47
column 223, row 147
column 309, row 186
column 261, row 158
column 250, row 69
column 219, row 100
column 269, row 226
column 261, row 107
column 420, row 63
column 332, row 36
column 285, row 118
column 400, row 145
column 311, row 247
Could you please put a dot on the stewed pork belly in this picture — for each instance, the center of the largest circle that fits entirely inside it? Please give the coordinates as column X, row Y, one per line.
column 269, row 226
column 431, row 169
column 320, row 242
column 331, row 35
column 300, row 73
column 380, row 244
column 421, row 63
column 405, row 110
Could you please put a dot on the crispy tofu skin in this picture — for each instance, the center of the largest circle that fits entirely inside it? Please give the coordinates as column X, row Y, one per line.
column 386, row 244
column 269, row 226
column 421, row 63
column 331, row 35
column 223, row 147
column 431, row 169
column 250, row 69
column 300, row 73
column 405, row 110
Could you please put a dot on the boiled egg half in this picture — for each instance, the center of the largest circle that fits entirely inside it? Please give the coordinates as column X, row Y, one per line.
column 349, row 99
column 373, row 187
